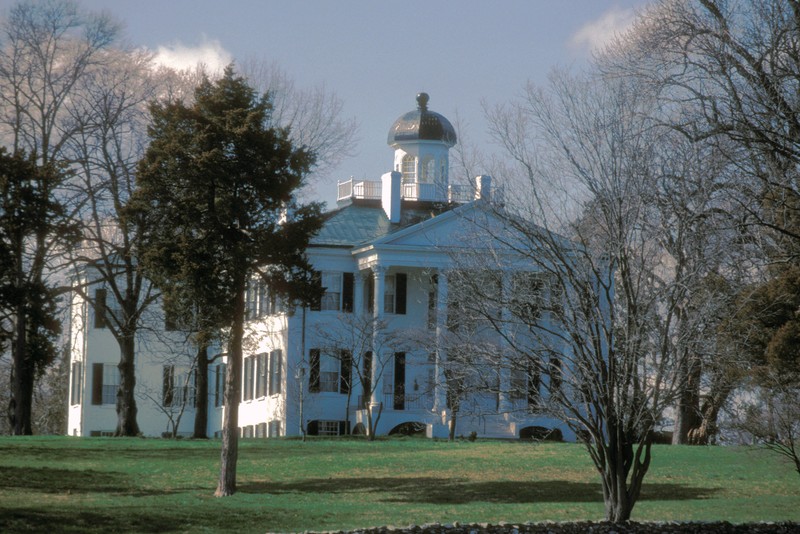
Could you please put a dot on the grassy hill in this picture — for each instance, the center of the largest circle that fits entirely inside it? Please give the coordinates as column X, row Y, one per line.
column 64, row 484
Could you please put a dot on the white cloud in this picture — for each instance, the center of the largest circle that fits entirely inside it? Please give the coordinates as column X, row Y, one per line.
column 595, row 34
column 179, row 56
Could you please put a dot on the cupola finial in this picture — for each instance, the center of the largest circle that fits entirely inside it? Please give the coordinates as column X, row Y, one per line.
column 422, row 101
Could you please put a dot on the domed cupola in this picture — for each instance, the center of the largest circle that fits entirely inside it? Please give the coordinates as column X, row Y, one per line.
column 421, row 140
column 422, row 125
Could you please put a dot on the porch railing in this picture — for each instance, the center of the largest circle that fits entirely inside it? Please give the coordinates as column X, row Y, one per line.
column 419, row 401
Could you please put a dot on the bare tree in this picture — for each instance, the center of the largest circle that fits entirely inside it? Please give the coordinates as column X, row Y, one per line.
column 111, row 114
column 732, row 69
column 771, row 416
column 364, row 346
column 608, row 340
column 45, row 49
column 313, row 116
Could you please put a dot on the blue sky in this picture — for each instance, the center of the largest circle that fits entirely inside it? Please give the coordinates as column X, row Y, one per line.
column 377, row 55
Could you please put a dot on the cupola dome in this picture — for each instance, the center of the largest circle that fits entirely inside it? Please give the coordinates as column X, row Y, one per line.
column 422, row 125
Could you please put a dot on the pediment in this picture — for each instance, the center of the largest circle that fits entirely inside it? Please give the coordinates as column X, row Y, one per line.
column 471, row 226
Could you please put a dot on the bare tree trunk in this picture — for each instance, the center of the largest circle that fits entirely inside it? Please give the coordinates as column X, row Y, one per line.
column 126, row 400
column 233, row 393
column 687, row 412
column 201, row 393
column 451, row 431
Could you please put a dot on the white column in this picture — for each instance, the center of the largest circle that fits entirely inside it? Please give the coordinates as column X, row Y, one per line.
column 504, row 400
column 358, row 296
column 377, row 357
column 440, row 387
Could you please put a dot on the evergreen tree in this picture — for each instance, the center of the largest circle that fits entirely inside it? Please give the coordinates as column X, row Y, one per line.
column 34, row 230
column 220, row 180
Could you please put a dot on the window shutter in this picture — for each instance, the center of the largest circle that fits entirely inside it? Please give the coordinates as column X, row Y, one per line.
column 278, row 370
column 401, row 285
column 313, row 375
column 168, row 385
column 347, row 371
column 97, row 384
column 100, row 309
column 348, row 283
column 313, row 428
column 371, row 293
column 316, row 302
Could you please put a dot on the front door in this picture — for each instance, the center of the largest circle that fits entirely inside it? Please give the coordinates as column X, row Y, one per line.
column 399, row 380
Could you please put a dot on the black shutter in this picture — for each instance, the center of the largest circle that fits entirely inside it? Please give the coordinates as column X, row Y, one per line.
column 313, row 375
column 100, row 309
column 401, row 286
column 168, row 385
column 347, row 371
column 371, row 293
column 316, row 301
column 348, row 283
column 313, row 428
column 97, row 383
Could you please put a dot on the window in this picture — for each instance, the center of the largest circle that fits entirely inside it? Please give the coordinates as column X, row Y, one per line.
column 526, row 296
column 519, row 384
column 77, row 383
column 328, row 428
column 388, row 294
column 330, row 372
column 394, row 294
column 105, row 383
column 219, row 385
column 262, row 374
column 274, row 429
column 428, row 170
column 338, row 291
column 248, row 378
column 100, row 296
column 556, row 374
column 409, row 169
column 332, row 283
column 261, row 430
column 275, row 363
column 178, row 388
column 260, row 301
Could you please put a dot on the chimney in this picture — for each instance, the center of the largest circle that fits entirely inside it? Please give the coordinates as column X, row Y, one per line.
column 483, row 187
column 390, row 195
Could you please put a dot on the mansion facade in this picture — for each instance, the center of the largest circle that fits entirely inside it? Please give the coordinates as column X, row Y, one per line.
column 378, row 338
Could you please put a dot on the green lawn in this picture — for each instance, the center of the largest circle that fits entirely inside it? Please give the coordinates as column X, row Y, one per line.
column 138, row 485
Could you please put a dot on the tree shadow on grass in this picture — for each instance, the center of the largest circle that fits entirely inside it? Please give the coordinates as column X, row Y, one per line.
column 52, row 480
column 460, row 491
column 118, row 519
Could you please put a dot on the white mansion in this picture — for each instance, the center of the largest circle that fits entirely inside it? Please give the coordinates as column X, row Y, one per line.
column 377, row 337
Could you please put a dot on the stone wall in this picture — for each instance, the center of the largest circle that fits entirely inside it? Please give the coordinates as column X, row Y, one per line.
column 585, row 527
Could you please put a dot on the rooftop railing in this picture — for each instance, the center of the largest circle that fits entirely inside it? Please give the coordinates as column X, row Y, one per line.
column 371, row 190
